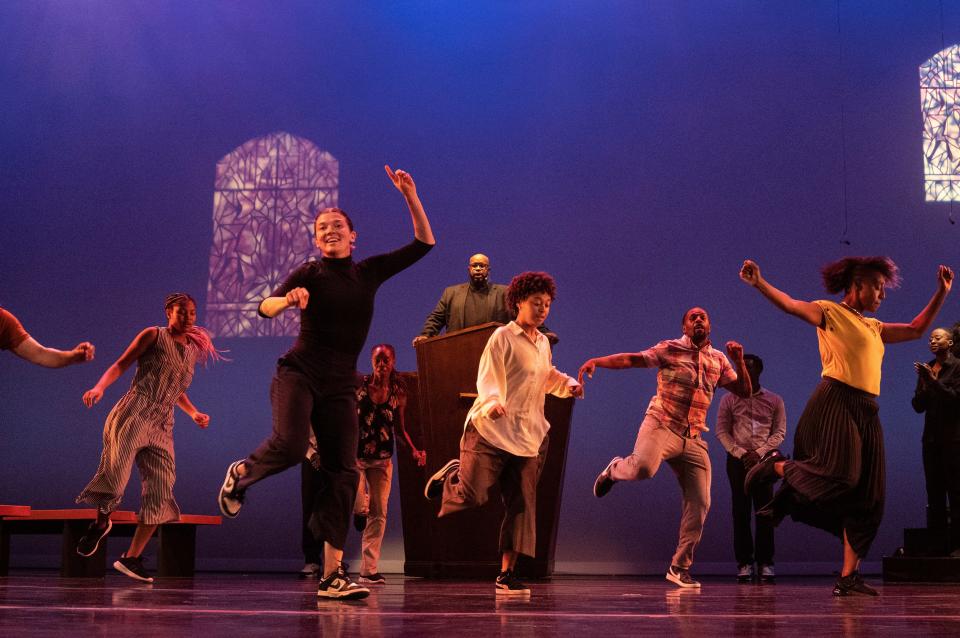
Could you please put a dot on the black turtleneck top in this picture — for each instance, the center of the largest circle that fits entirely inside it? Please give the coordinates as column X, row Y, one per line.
column 334, row 325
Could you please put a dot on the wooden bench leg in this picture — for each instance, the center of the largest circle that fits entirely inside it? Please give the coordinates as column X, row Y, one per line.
column 178, row 546
column 74, row 565
column 4, row 550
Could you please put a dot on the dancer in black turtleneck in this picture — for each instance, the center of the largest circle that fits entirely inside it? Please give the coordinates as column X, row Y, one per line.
column 316, row 380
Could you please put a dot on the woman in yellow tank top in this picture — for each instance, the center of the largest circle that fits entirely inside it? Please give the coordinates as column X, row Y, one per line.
column 836, row 480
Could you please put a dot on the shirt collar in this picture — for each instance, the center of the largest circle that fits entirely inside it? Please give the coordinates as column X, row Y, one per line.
column 515, row 328
column 687, row 343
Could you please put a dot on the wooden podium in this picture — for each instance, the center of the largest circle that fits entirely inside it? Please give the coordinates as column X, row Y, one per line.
column 465, row 544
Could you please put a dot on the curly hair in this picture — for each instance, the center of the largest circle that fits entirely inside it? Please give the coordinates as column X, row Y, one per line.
column 840, row 275
column 527, row 284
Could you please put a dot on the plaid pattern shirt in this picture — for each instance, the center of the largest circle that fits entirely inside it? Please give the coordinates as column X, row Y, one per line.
column 686, row 380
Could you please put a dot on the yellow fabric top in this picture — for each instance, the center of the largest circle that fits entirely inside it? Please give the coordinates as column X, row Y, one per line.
column 851, row 349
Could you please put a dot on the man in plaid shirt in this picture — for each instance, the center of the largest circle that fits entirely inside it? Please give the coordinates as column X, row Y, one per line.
column 689, row 370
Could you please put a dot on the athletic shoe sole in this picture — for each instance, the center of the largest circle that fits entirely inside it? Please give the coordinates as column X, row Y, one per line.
column 439, row 477
column 99, row 540
column 120, row 567
column 372, row 581
column 673, row 578
column 504, row 591
column 228, row 484
column 604, row 483
column 352, row 594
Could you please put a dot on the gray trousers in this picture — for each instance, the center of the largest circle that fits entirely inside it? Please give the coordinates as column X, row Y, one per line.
column 688, row 459
column 481, row 467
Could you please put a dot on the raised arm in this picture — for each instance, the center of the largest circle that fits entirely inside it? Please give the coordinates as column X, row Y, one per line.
column 805, row 310
column 34, row 352
column 404, row 183
column 897, row 332
column 742, row 386
column 139, row 345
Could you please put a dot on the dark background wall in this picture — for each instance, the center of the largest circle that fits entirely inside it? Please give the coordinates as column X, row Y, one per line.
column 639, row 151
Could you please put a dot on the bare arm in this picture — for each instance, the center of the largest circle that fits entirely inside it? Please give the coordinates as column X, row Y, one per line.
column 404, row 183
column 419, row 456
column 805, row 310
column 897, row 332
column 612, row 361
column 742, row 387
column 34, row 352
column 139, row 345
column 201, row 419
column 273, row 306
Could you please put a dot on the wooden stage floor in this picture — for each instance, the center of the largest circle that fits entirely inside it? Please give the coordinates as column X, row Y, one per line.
column 43, row 604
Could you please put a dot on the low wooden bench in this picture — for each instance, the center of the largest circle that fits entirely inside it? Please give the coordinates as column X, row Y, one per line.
column 177, row 539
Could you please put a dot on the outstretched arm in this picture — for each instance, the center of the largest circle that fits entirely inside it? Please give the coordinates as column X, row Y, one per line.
column 612, row 361
column 139, row 345
column 34, row 352
column 805, row 310
column 404, row 183
column 896, row 332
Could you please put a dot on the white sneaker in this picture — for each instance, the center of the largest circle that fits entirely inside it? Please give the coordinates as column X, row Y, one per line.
column 766, row 573
column 230, row 498
column 310, row 570
column 681, row 577
column 745, row 573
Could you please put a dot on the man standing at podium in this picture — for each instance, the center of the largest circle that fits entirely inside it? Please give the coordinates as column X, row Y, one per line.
column 471, row 304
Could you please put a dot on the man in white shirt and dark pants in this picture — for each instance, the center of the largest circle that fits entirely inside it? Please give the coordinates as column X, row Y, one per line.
column 749, row 428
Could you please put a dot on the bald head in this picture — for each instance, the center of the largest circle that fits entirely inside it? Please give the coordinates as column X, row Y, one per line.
column 479, row 269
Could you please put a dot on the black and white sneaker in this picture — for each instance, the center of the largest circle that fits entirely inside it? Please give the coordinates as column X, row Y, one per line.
column 507, row 583
column 90, row 541
column 434, row 487
column 338, row 585
column 603, row 483
column 853, row 584
column 231, row 498
column 376, row 578
column 132, row 566
column 681, row 577
column 763, row 472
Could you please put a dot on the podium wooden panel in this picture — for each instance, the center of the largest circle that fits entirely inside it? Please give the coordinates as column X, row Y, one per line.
column 465, row 544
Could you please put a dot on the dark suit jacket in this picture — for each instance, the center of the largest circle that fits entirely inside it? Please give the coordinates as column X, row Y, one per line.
column 450, row 312
column 941, row 402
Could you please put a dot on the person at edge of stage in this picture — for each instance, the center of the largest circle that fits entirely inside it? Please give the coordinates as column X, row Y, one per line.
column 315, row 382
column 748, row 428
column 139, row 429
column 836, row 480
column 505, row 433
column 689, row 370
column 937, row 397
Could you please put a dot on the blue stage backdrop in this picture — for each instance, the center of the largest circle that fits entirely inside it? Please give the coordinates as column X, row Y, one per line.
column 638, row 151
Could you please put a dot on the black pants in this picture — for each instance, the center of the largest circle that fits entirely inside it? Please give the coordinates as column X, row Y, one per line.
column 943, row 486
column 331, row 411
column 311, row 483
column 743, row 507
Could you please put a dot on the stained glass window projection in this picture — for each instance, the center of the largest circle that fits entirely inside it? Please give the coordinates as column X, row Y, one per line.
column 265, row 193
column 940, row 103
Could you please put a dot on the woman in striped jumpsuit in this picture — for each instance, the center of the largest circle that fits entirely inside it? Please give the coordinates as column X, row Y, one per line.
column 139, row 428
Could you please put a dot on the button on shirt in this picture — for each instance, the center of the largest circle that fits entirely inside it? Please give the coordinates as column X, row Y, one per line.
column 686, row 380
column 516, row 371
column 758, row 423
